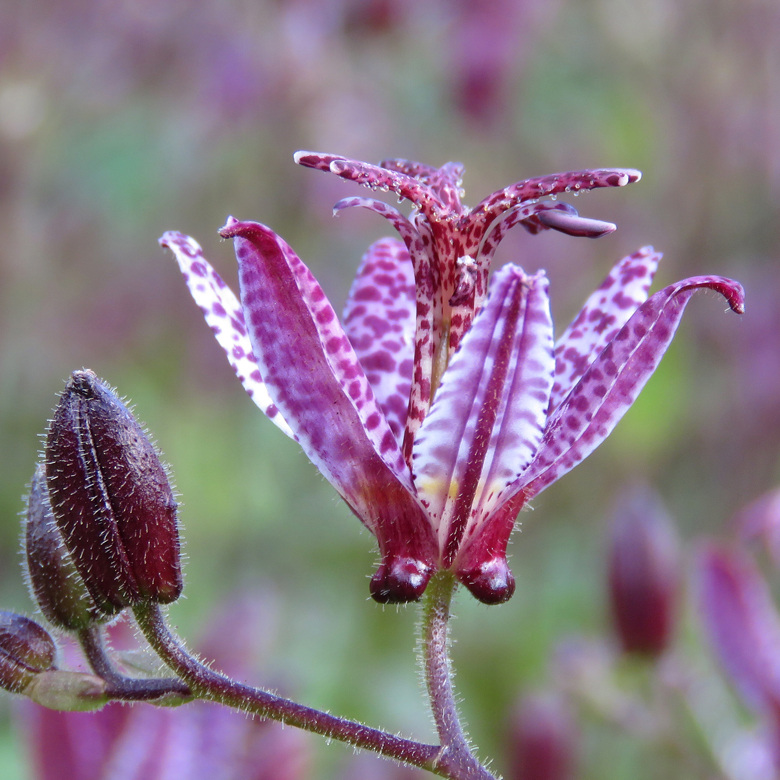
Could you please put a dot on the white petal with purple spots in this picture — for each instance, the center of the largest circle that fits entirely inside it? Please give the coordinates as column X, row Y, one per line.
column 488, row 415
column 605, row 312
column 379, row 320
column 224, row 315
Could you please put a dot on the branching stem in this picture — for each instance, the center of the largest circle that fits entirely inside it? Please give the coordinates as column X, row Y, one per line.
column 207, row 684
column 119, row 686
column 452, row 759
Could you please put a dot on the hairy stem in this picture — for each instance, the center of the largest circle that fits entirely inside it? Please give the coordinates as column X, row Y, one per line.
column 118, row 685
column 207, row 684
column 456, row 754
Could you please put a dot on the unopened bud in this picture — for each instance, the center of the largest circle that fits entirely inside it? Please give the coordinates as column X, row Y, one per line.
column 543, row 740
column 643, row 573
column 60, row 689
column 26, row 651
column 55, row 585
column 111, row 498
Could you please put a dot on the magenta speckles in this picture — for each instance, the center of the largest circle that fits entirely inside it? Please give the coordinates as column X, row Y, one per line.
column 224, row 314
column 442, row 405
column 602, row 316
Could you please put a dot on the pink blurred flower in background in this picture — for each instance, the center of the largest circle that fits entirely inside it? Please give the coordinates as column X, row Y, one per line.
column 644, row 575
column 743, row 629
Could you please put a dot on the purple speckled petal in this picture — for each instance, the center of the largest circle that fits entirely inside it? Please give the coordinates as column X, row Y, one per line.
column 603, row 315
column 426, row 295
column 320, row 161
column 446, row 181
column 489, row 412
column 379, row 320
column 411, row 168
column 613, row 381
column 374, row 177
column 532, row 189
column 316, row 380
column 742, row 622
column 224, row 315
column 377, row 178
column 534, row 217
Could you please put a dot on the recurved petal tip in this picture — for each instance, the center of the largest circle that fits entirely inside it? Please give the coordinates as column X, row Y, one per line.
column 735, row 295
column 230, row 228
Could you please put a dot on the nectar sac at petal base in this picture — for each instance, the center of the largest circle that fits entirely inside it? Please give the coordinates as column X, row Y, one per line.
column 439, row 404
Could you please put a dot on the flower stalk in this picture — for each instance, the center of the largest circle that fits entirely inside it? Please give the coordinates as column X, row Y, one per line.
column 447, row 760
column 455, row 751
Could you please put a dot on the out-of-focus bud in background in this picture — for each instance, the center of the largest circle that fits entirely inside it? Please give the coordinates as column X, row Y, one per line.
column 543, row 739
column 55, row 585
column 111, row 498
column 761, row 519
column 643, row 572
column 26, row 651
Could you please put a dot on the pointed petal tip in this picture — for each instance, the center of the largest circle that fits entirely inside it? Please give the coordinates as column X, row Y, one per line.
column 318, row 160
column 226, row 230
column 737, row 301
column 730, row 289
column 173, row 238
column 342, row 204
column 301, row 156
column 233, row 228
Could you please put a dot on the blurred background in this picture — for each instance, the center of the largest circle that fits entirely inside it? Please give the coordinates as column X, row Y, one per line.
column 120, row 121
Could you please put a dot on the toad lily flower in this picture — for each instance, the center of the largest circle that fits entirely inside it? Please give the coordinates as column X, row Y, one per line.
column 440, row 407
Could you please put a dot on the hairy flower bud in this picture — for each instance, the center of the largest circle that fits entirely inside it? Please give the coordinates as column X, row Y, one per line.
column 26, row 650
column 111, row 498
column 55, row 585
column 643, row 573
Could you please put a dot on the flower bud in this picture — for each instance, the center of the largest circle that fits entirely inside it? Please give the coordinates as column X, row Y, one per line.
column 55, row 585
column 59, row 689
column 643, row 573
column 26, row 651
column 111, row 498
column 543, row 740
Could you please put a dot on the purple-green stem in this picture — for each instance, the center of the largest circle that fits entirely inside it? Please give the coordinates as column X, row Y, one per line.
column 452, row 759
column 456, row 753
column 118, row 685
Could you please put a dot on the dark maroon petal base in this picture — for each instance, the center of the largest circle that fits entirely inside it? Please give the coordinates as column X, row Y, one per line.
column 400, row 580
column 491, row 582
